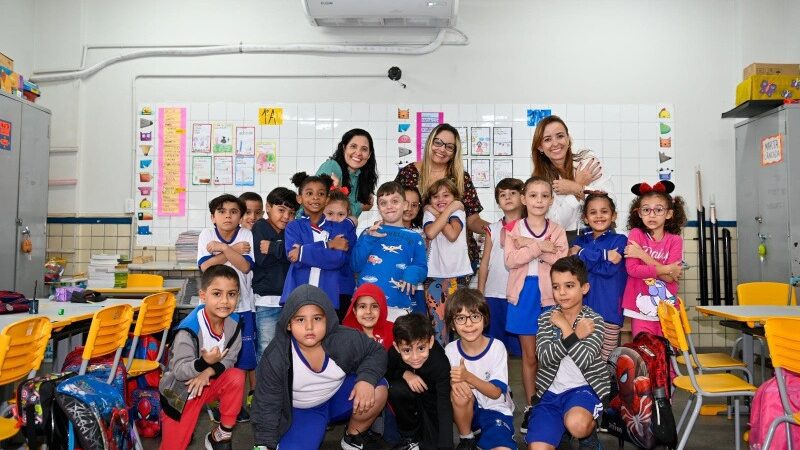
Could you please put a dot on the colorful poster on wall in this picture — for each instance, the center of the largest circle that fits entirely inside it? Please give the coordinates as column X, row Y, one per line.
column 201, row 138
column 246, row 141
column 426, row 122
column 223, row 138
column 481, row 141
column 771, row 150
column 270, row 116
column 463, row 134
column 245, row 171
column 5, row 135
column 223, row 170
column 201, row 170
column 481, row 172
column 666, row 142
column 172, row 161
column 267, row 156
column 501, row 141
column 503, row 168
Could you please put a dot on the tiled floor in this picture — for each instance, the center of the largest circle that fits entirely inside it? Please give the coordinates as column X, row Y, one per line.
column 709, row 432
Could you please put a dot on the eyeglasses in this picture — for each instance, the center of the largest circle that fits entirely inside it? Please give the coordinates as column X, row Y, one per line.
column 474, row 318
column 440, row 143
column 646, row 211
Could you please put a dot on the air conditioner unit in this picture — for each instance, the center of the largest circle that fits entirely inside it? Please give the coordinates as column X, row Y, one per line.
column 382, row 13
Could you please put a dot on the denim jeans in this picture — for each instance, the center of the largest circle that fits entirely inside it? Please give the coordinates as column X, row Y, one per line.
column 266, row 324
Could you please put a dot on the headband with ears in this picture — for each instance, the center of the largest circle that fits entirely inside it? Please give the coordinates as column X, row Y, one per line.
column 663, row 187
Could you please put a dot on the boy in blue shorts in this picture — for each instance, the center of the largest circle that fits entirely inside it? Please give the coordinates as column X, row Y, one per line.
column 572, row 378
column 315, row 372
column 478, row 376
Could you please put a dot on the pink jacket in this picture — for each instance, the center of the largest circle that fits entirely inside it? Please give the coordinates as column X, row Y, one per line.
column 517, row 261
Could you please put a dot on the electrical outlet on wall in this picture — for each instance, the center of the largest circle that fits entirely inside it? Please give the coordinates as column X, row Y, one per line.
column 129, row 206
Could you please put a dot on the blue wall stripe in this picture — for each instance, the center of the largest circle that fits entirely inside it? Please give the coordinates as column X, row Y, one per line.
column 93, row 220
column 722, row 223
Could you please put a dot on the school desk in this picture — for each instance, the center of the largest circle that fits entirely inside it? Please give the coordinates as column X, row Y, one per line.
column 139, row 292
column 751, row 316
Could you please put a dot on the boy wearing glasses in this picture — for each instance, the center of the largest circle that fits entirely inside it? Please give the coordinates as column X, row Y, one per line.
column 390, row 255
column 478, row 375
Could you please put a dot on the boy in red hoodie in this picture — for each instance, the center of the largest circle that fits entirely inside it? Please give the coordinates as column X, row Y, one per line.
column 368, row 313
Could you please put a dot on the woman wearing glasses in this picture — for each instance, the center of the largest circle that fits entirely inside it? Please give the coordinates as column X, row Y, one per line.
column 569, row 173
column 442, row 159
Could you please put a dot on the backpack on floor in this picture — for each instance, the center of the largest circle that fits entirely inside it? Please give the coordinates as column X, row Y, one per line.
column 41, row 420
column 98, row 418
column 99, row 368
column 767, row 406
column 145, row 409
column 639, row 410
column 146, row 348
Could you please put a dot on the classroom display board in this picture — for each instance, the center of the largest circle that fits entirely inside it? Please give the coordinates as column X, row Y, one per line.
column 187, row 154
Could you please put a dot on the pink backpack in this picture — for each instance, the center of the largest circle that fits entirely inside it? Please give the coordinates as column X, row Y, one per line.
column 767, row 406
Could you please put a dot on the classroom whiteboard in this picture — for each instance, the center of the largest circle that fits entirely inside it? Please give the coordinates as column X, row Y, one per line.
column 189, row 153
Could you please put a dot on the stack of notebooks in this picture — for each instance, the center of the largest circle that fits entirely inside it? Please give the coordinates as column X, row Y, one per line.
column 101, row 271
column 186, row 247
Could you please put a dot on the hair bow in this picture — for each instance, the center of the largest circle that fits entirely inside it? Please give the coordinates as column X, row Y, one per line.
column 344, row 189
column 661, row 187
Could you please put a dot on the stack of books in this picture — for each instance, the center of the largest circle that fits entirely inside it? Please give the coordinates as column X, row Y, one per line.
column 101, row 271
column 186, row 247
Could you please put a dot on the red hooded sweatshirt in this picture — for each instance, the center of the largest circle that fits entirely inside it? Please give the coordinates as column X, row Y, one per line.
column 383, row 328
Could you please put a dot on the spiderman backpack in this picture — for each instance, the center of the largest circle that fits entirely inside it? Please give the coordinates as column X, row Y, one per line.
column 639, row 410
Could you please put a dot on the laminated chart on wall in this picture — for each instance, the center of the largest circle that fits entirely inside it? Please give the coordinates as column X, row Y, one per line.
column 187, row 154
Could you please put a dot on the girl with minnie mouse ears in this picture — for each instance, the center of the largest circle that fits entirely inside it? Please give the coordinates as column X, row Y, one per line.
column 654, row 253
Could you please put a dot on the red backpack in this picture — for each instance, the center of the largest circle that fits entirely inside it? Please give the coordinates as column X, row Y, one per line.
column 639, row 410
column 767, row 406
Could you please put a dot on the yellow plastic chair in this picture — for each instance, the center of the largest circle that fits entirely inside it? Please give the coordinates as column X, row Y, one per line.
column 145, row 280
column 710, row 362
column 22, row 347
column 763, row 293
column 784, row 342
column 107, row 334
column 699, row 386
column 155, row 316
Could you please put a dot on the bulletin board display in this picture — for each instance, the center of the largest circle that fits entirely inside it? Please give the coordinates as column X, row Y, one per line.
column 189, row 153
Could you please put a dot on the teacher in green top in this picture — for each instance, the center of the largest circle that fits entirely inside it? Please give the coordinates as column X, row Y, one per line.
column 353, row 166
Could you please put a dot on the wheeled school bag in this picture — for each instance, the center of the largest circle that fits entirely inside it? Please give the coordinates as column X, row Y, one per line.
column 639, row 410
column 98, row 417
column 40, row 418
column 767, row 406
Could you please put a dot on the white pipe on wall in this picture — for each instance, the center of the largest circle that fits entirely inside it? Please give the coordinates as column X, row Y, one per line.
column 189, row 50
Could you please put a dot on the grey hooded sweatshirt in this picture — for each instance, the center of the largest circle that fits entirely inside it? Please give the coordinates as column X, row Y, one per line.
column 351, row 350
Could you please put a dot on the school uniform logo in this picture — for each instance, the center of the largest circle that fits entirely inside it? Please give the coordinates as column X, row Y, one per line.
column 392, row 248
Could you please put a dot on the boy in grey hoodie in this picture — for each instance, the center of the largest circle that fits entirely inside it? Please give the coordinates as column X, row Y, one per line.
column 200, row 369
column 316, row 371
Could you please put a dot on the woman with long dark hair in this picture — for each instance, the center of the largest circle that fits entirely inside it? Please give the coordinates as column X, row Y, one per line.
column 352, row 166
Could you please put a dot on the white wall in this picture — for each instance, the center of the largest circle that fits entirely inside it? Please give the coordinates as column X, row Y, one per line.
column 16, row 34
column 688, row 53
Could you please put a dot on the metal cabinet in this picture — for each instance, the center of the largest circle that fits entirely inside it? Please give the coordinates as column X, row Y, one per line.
column 24, row 172
column 768, row 195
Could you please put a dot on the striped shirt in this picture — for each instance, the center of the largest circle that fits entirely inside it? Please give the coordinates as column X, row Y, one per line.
column 551, row 349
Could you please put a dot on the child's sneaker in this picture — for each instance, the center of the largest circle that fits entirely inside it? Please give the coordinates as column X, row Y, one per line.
column 407, row 444
column 467, row 444
column 591, row 442
column 211, row 444
column 213, row 414
column 526, row 417
column 353, row 441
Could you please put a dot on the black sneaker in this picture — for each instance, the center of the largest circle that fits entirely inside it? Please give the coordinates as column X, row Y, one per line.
column 467, row 444
column 243, row 416
column 407, row 444
column 213, row 414
column 211, row 444
column 353, row 441
column 526, row 417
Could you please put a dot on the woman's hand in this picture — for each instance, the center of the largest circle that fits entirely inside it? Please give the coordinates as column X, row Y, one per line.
column 588, row 173
column 563, row 186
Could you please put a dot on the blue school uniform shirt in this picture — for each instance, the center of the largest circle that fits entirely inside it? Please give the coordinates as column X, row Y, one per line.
column 317, row 264
column 606, row 280
column 387, row 261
